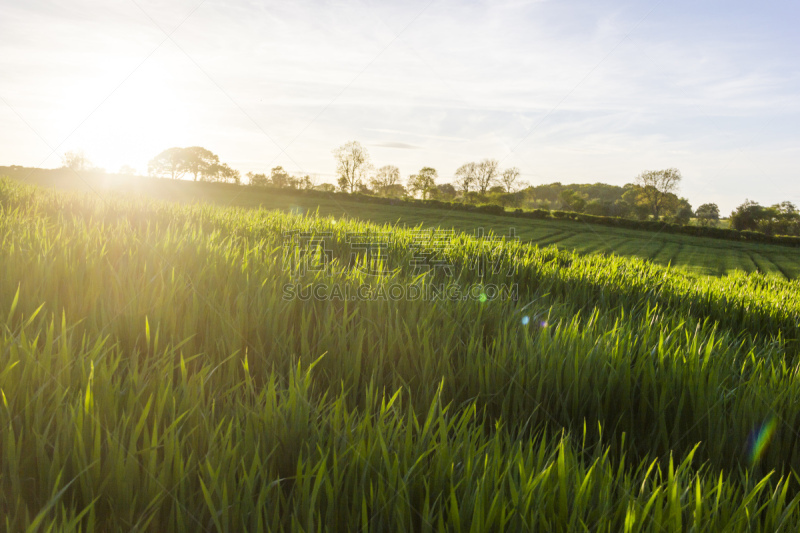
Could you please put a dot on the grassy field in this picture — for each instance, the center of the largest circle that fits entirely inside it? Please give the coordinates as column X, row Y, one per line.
column 156, row 375
column 697, row 255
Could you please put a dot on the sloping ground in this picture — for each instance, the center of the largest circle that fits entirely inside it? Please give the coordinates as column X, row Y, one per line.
column 698, row 255
column 156, row 373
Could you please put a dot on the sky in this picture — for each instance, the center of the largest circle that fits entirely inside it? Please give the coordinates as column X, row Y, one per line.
column 569, row 91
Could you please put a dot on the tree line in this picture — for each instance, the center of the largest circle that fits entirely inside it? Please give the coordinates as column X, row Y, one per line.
column 777, row 219
column 653, row 194
column 356, row 173
column 195, row 161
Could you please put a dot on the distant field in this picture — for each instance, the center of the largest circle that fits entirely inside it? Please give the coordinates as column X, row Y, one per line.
column 694, row 254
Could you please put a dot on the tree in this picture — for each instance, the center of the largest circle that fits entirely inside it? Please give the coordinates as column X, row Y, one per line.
column 279, row 177
column 465, row 178
column 509, row 199
column 424, row 182
column 636, row 201
column 222, row 172
column 176, row 162
column 656, row 186
column 682, row 212
column 352, row 165
column 446, row 191
column 786, row 220
column 573, row 200
column 509, row 179
column 76, row 160
column 395, row 191
column 169, row 163
column 747, row 216
column 385, row 178
column 126, row 170
column 782, row 218
column 596, row 207
column 707, row 214
column 486, row 174
column 257, row 180
column 326, row 187
column 787, row 208
column 306, row 182
column 200, row 163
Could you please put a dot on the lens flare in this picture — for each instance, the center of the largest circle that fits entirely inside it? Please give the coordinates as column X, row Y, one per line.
column 761, row 440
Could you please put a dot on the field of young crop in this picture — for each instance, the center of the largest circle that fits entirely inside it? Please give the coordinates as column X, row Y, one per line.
column 694, row 254
column 190, row 367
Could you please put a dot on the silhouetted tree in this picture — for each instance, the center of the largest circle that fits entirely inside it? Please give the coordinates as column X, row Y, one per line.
column 200, row 163
column 423, row 183
column 352, row 166
column 176, row 162
column 465, row 178
column 75, row 160
column 509, row 179
column 257, row 180
column 279, row 177
column 169, row 163
column 395, row 191
column 222, row 172
column 306, row 182
column 486, row 174
column 385, row 178
column 445, row 191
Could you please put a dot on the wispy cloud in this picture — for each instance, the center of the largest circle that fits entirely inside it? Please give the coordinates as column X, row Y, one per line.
column 399, row 145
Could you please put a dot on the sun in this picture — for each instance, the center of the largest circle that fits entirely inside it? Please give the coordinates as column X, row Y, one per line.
column 134, row 121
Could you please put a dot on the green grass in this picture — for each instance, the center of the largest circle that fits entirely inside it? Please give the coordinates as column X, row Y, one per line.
column 697, row 255
column 155, row 378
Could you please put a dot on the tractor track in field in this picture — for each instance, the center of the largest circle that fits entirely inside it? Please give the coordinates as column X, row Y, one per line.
column 780, row 267
column 546, row 236
column 759, row 264
column 674, row 257
column 652, row 256
column 561, row 236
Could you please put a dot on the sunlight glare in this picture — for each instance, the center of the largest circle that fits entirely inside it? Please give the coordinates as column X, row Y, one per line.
column 139, row 119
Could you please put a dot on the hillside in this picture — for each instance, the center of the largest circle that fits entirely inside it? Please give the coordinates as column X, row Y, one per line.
column 156, row 374
column 699, row 255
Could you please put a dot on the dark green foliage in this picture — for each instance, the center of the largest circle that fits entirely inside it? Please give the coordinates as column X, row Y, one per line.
column 707, row 214
column 600, row 191
column 782, row 218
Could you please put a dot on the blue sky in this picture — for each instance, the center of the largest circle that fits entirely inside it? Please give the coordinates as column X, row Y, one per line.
column 566, row 91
